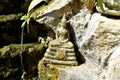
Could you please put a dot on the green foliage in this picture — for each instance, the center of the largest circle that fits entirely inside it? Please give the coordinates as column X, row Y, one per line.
column 90, row 4
column 100, row 4
column 23, row 24
column 26, row 19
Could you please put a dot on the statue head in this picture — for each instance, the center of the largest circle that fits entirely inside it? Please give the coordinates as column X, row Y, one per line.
column 63, row 22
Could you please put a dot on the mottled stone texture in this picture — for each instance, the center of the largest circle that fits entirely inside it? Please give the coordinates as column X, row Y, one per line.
column 103, row 40
column 95, row 36
column 10, row 60
column 54, row 12
column 10, row 24
column 85, row 71
column 13, row 6
column 97, row 42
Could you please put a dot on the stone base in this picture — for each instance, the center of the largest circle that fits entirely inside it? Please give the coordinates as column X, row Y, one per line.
column 49, row 71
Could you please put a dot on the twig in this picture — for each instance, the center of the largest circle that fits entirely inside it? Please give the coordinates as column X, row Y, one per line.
column 23, row 75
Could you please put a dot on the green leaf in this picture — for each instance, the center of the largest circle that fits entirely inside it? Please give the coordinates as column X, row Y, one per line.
column 100, row 4
column 23, row 24
column 34, row 3
column 25, row 17
column 28, row 20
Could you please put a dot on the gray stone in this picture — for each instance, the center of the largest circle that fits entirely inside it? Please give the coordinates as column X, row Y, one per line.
column 99, row 38
column 112, row 4
column 111, row 7
column 113, row 72
column 10, row 61
column 85, row 71
column 98, row 41
column 53, row 12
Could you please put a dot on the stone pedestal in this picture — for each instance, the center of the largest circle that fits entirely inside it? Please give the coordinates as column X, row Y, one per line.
column 50, row 71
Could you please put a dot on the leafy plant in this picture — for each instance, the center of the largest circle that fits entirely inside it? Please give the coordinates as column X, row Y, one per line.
column 26, row 21
column 100, row 4
column 91, row 4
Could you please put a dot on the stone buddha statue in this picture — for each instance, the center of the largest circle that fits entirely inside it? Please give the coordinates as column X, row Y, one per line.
column 61, row 50
column 60, row 54
column 62, row 34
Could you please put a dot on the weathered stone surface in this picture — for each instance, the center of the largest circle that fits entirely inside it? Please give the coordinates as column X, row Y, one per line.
column 111, row 7
column 113, row 69
column 13, row 6
column 51, row 14
column 10, row 62
column 97, row 38
column 85, row 71
column 78, row 25
column 5, row 18
column 112, row 4
column 10, row 24
column 103, row 40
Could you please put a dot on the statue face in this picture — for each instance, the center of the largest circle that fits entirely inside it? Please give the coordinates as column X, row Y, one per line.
column 63, row 24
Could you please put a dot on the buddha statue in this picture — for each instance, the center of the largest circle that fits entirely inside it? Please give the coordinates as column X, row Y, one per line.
column 60, row 54
column 62, row 34
column 61, row 50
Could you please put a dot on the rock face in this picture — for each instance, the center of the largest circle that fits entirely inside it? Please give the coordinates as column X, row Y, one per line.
column 95, row 36
column 10, row 14
column 103, row 40
column 48, row 14
column 85, row 71
column 111, row 7
column 10, row 61
column 113, row 69
column 13, row 6
column 98, row 42
column 112, row 4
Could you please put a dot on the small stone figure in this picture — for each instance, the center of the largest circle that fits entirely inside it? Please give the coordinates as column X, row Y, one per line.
column 61, row 32
column 61, row 50
column 60, row 53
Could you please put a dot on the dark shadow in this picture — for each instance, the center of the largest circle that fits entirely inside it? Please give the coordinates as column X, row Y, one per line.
column 79, row 56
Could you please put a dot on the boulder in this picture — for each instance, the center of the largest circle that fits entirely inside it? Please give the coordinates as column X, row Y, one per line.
column 51, row 13
column 10, row 60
